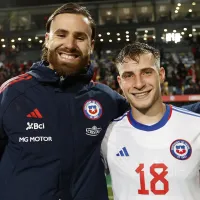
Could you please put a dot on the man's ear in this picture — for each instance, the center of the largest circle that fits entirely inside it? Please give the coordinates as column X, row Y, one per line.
column 162, row 75
column 119, row 81
column 92, row 46
column 47, row 40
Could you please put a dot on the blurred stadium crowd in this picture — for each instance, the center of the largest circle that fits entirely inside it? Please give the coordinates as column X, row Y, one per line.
column 170, row 25
column 182, row 71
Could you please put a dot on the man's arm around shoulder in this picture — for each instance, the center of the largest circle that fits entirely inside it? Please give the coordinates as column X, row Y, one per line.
column 195, row 107
column 122, row 104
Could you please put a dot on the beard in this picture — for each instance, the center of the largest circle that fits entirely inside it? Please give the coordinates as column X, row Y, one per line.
column 64, row 68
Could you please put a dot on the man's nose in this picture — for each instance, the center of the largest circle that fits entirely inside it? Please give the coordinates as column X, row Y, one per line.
column 70, row 42
column 139, row 82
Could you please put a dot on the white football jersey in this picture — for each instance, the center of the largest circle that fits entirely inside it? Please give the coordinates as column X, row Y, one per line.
column 154, row 162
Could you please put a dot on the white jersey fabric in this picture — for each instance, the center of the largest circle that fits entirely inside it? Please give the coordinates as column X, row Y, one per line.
column 155, row 162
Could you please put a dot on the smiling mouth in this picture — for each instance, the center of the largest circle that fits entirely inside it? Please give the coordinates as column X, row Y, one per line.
column 141, row 95
column 68, row 56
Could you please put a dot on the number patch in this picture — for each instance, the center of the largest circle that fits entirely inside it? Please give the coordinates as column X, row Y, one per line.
column 156, row 177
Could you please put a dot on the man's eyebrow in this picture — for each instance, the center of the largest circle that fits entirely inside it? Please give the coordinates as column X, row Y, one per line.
column 60, row 30
column 81, row 33
column 75, row 33
column 127, row 72
column 143, row 69
column 146, row 68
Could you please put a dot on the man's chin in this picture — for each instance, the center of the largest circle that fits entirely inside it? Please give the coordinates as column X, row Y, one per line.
column 142, row 106
column 64, row 69
column 68, row 64
column 67, row 68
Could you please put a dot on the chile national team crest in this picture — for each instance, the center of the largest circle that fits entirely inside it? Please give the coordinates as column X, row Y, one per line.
column 181, row 149
column 92, row 109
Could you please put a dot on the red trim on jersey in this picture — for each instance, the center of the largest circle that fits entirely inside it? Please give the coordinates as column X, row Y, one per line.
column 170, row 113
column 128, row 116
column 14, row 80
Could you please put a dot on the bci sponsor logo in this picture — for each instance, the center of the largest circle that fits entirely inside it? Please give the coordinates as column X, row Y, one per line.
column 34, row 126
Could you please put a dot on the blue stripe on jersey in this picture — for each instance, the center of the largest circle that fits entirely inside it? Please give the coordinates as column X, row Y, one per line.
column 121, row 153
column 120, row 118
column 153, row 127
column 125, row 151
column 185, row 111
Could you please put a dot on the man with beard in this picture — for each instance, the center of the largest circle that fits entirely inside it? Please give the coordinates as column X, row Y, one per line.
column 54, row 118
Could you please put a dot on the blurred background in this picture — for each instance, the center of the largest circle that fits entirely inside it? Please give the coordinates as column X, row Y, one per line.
column 172, row 26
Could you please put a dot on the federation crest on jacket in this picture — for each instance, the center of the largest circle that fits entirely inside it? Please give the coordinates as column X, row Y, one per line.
column 92, row 109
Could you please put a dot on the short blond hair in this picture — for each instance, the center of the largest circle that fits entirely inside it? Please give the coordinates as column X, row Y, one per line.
column 133, row 52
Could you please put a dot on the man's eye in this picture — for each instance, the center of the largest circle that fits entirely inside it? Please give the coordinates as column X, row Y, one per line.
column 148, row 72
column 127, row 75
column 80, row 38
column 61, row 35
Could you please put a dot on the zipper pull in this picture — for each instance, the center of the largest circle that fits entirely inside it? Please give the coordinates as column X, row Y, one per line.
column 61, row 81
column 61, row 78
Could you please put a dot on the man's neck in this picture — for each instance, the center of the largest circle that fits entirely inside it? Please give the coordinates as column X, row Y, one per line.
column 51, row 67
column 150, row 116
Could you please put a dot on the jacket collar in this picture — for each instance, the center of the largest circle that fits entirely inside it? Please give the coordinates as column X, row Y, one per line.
column 43, row 73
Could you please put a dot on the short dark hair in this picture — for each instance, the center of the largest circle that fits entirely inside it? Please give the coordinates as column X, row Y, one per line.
column 72, row 8
column 134, row 50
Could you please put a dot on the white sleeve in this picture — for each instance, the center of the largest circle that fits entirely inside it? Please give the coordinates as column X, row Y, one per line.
column 104, row 147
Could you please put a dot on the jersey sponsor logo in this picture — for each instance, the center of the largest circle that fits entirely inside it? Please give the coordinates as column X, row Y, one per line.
column 123, row 152
column 181, row 149
column 92, row 109
column 34, row 126
column 35, row 139
column 94, row 131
